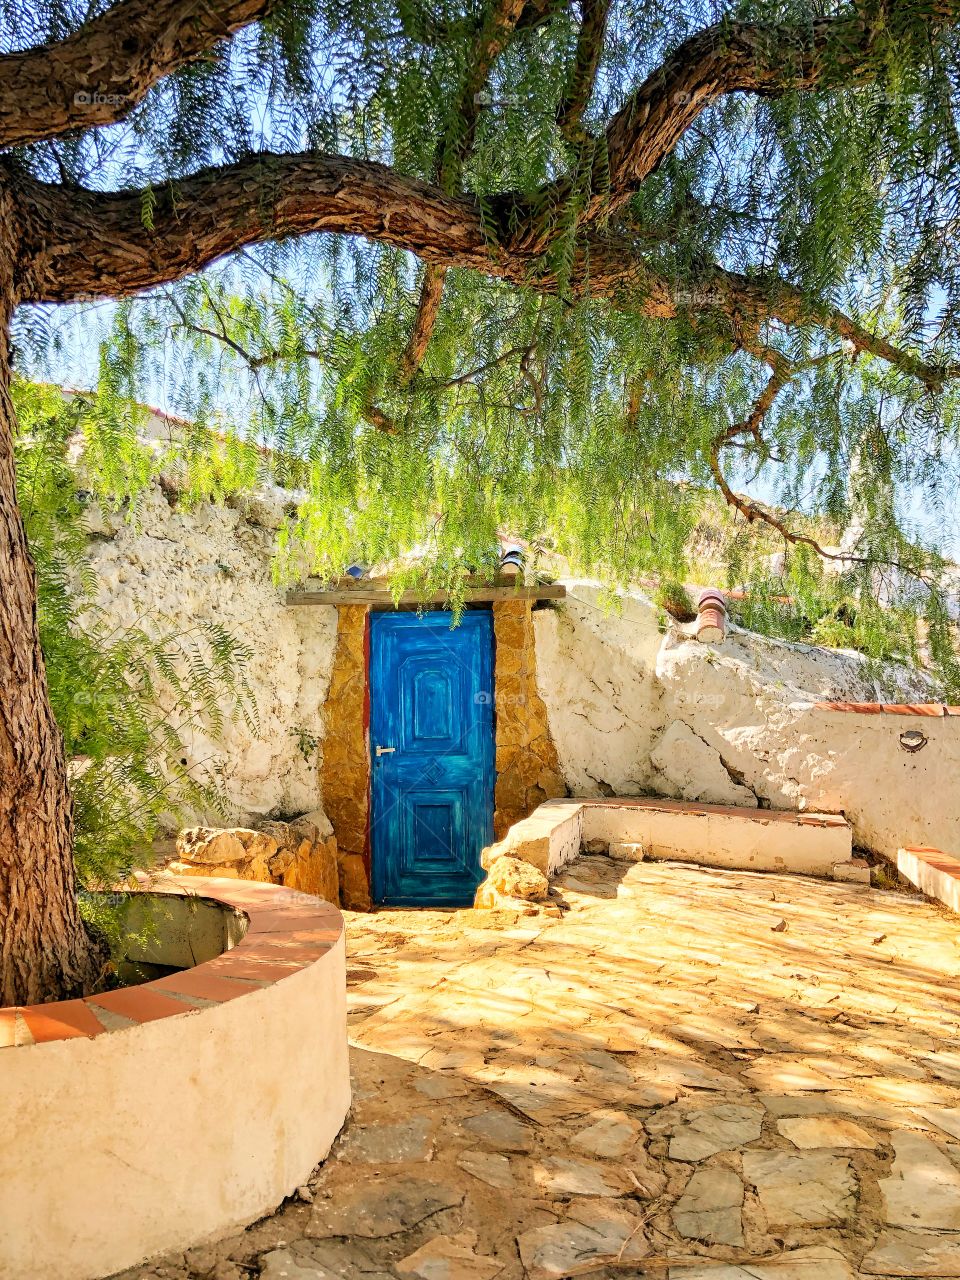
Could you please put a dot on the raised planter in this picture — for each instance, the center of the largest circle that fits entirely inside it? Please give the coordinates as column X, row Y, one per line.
column 154, row 1117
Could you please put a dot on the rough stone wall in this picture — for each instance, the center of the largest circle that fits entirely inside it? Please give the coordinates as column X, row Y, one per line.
column 635, row 710
column 596, row 671
column 346, row 759
column 528, row 768
column 175, row 567
column 300, row 855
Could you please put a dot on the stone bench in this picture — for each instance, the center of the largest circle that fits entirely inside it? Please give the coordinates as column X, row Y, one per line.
column 935, row 873
column 710, row 834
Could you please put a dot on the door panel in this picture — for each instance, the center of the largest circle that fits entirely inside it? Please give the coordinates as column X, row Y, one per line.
column 431, row 701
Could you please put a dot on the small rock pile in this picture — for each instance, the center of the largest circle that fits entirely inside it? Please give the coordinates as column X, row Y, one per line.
column 512, row 884
column 301, row 854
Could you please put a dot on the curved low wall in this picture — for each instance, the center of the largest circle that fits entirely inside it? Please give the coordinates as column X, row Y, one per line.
column 153, row 1117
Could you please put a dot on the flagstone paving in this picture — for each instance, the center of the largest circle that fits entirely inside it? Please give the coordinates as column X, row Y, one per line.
column 661, row 1081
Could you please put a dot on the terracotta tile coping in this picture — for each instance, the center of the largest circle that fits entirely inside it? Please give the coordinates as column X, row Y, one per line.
column 936, row 858
column 891, row 708
column 287, row 931
column 698, row 809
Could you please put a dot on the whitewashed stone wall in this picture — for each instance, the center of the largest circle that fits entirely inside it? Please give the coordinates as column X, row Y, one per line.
column 213, row 563
column 596, row 670
column 633, row 709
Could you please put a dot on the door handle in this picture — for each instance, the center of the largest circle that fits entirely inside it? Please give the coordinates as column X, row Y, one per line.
column 385, row 751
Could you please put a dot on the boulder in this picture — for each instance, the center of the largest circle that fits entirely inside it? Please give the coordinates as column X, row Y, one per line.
column 517, row 879
column 511, row 883
column 318, row 819
column 212, row 846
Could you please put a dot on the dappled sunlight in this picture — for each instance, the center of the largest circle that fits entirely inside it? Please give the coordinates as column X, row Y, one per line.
column 688, row 1071
column 705, row 1008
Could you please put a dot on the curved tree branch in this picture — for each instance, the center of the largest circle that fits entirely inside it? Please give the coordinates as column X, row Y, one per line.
column 428, row 308
column 754, row 511
column 732, row 57
column 782, row 372
column 100, row 73
column 766, row 59
column 82, row 244
column 769, row 297
column 216, row 211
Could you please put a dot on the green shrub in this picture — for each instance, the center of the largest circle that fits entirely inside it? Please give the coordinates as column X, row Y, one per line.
column 123, row 698
column 676, row 600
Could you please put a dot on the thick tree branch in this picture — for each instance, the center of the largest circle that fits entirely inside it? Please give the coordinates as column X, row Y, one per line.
column 216, row 211
column 583, row 73
column 731, row 57
column 767, row 59
column 83, row 244
column 98, row 75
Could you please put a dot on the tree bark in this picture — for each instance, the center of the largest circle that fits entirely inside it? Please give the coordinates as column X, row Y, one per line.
column 45, row 951
column 97, row 75
column 88, row 244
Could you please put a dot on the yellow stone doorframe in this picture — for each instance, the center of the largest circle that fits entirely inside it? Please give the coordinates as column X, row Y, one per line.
column 345, row 772
column 528, row 768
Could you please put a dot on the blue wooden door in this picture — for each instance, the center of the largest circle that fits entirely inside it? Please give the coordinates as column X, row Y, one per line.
column 432, row 755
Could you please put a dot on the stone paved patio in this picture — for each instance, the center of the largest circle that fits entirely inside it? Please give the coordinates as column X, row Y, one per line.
column 692, row 1074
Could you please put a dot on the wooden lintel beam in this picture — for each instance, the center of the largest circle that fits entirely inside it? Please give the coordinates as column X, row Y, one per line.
column 380, row 596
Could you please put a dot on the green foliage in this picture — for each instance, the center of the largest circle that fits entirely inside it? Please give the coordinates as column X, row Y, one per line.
column 308, row 744
column 124, row 698
column 676, row 600
column 838, row 611
column 583, row 428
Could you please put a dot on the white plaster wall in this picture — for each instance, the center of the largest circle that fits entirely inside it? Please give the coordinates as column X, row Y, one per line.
column 176, row 567
column 596, row 674
column 616, row 690
column 755, row 709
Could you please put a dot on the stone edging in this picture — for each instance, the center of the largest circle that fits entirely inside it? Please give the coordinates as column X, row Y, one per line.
column 935, row 873
column 712, row 834
column 287, row 932
column 890, row 708
column 702, row 808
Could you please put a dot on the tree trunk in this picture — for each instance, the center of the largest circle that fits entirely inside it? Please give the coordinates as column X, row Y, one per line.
column 45, row 951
